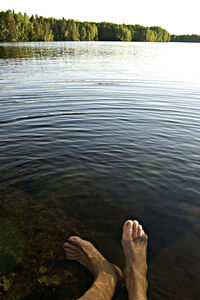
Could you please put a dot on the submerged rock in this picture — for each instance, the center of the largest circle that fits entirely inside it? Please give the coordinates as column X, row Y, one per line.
column 192, row 213
column 32, row 234
column 11, row 246
column 174, row 274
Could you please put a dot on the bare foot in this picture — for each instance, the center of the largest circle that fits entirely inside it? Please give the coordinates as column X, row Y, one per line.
column 134, row 243
column 107, row 276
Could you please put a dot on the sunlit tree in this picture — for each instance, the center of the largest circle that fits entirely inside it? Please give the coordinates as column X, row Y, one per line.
column 17, row 27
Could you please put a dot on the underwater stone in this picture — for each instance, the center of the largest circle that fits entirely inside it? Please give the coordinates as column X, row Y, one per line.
column 11, row 246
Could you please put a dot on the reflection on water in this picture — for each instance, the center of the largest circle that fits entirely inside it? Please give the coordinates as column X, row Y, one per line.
column 93, row 134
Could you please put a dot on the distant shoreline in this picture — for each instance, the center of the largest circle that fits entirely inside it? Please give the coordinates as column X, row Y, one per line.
column 15, row 27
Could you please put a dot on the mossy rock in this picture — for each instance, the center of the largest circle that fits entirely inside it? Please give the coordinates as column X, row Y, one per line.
column 11, row 246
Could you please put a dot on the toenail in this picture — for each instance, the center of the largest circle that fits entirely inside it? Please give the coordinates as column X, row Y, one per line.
column 129, row 222
column 73, row 239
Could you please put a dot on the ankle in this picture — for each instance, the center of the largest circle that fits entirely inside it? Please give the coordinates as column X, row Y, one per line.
column 136, row 295
column 136, row 284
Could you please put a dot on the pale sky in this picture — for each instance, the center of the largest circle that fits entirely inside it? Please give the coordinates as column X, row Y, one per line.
column 177, row 16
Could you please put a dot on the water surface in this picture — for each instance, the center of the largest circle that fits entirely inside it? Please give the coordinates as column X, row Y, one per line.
column 94, row 133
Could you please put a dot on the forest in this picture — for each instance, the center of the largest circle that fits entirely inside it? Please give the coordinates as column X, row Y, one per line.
column 193, row 38
column 17, row 27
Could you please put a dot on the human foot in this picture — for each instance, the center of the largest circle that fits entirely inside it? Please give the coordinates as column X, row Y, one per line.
column 134, row 243
column 107, row 276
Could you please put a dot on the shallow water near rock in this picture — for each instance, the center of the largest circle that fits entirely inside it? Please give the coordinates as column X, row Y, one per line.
column 92, row 134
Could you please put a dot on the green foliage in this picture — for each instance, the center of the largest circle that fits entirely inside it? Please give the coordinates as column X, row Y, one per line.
column 122, row 33
column 9, row 27
column 87, row 31
column 148, row 34
column 193, row 38
column 41, row 30
column 137, row 32
column 18, row 28
column 162, row 34
column 113, row 32
column 71, row 33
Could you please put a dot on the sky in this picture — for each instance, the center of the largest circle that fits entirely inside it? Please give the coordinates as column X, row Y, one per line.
column 176, row 16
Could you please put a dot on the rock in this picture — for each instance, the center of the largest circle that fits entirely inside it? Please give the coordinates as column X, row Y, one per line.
column 192, row 213
column 5, row 283
column 11, row 245
column 190, row 209
column 174, row 274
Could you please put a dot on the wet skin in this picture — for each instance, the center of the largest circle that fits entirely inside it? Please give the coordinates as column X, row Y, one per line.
column 107, row 276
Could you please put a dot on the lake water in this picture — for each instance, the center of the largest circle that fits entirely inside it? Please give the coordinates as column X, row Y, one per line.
column 92, row 134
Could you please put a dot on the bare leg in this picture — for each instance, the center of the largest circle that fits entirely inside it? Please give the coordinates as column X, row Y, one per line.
column 106, row 275
column 134, row 243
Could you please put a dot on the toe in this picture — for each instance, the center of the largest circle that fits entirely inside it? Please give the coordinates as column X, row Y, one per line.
column 72, row 256
column 139, row 230
column 127, row 230
column 145, row 236
column 80, row 244
column 75, row 240
column 134, row 231
column 69, row 246
column 67, row 250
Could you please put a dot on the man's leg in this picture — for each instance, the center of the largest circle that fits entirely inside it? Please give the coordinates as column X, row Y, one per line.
column 106, row 275
column 134, row 243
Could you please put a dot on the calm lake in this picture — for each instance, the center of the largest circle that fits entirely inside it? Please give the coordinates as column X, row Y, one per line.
column 92, row 134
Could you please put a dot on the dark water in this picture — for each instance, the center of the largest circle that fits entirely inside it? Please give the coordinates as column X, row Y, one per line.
column 92, row 134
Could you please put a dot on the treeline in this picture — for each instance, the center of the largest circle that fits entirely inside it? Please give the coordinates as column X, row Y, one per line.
column 20, row 28
column 193, row 38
